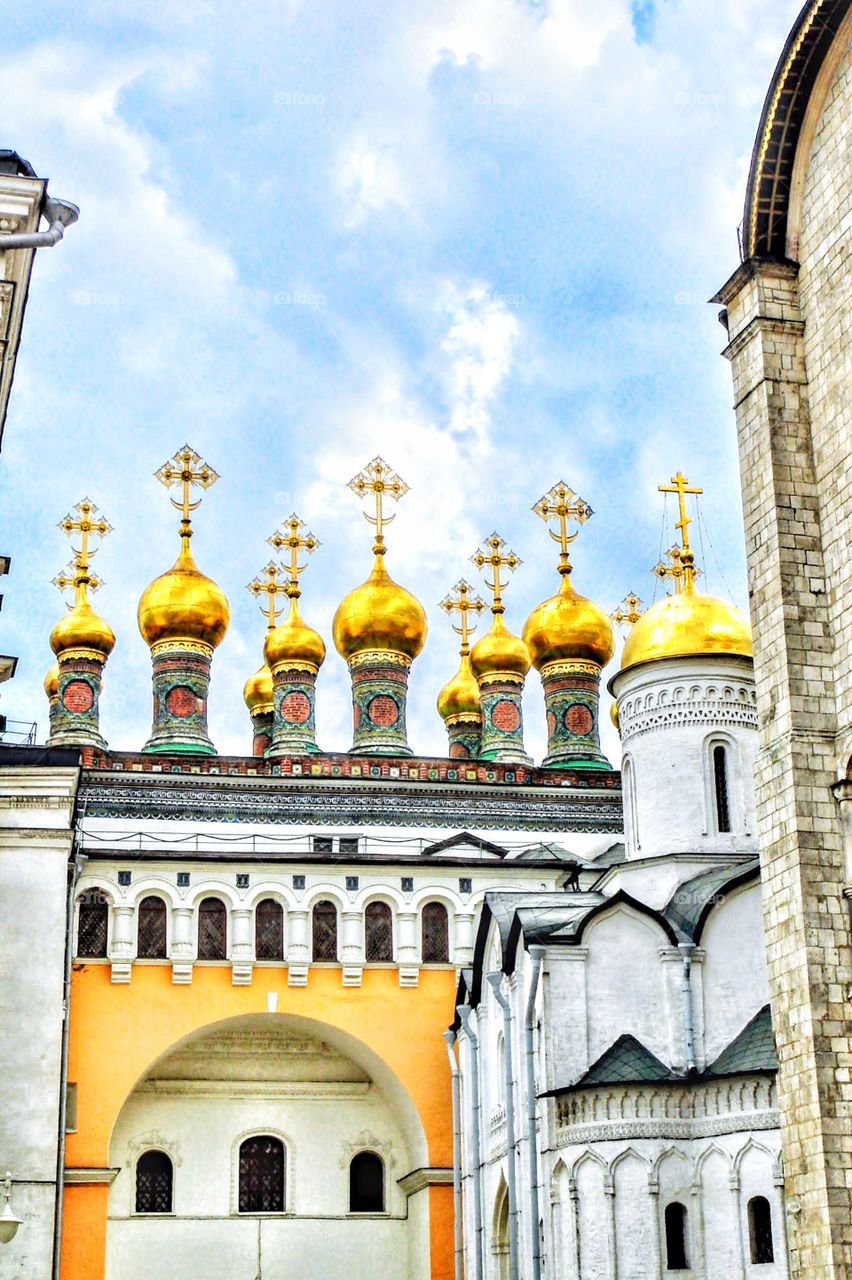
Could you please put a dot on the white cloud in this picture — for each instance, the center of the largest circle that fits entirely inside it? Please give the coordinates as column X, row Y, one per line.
column 368, row 180
column 479, row 346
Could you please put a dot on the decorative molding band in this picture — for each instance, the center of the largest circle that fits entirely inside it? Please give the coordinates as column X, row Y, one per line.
column 710, row 1127
column 717, row 715
column 300, row 1089
column 87, row 1176
column 420, row 1179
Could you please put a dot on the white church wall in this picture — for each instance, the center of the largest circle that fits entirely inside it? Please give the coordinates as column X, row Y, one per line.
column 735, row 980
column 625, row 987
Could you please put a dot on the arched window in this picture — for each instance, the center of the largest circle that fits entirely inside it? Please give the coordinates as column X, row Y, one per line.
column 92, row 926
column 151, row 929
column 435, row 934
column 269, row 930
column 378, row 933
column 720, row 788
column 324, row 930
column 154, row 1183
column 212, row 930
column 760, row 1230
column 262, row 1175
column 631, row 816
column 500, row 1070
column 366, row 1183
column 675, row 1218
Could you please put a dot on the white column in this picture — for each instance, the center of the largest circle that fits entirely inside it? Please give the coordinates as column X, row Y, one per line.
column 298, row 953
column 183, row 945
column 463, row 937
column 122, row 950
column 654, row 1210
column 352, row 947
column 242, row 946
column 574, row 1194
column 406, row 948
column 611, row 1242
column 734, row 1183
column 699, row 1261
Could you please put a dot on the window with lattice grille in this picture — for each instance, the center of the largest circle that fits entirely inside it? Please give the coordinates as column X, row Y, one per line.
column 151, row 929
column 435, row 934
column 324, row 931
column 366, row 1183
column 154, row 1183
column 212, row 930
column 92, row 929
column 378, row 933
column 269, row 930
column 262, row 1175
column 761, row 1244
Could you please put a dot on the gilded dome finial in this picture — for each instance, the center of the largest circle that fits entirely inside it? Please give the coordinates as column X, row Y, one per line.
column 463, row 603
column 491, row 555
column 459, row 702
column 628, row 611
column 563, row 504
column 380, row 480
column 682, row 570
column 269, row 584
column 82, row 628
column 294, row 540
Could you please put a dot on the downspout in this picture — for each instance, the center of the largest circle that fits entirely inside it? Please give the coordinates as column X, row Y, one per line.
column 686, row 949
column 536, row 954
column 74, row 869
column 464, row 1013
column 495, row 980
column 449, row 1040
column 59, row 213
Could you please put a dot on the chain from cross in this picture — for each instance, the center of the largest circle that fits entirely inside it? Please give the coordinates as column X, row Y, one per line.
column 490, row 554
column 681, row 569
column 291, row 538
column 267, row 583
column 380, row 480
column 628, row 611
column 563, row 504
column 186, row 469
column 680, row 485
column 88, row 523
column 463, row 603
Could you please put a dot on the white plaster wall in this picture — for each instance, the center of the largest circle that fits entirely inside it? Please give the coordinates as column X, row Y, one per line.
column 626, row 992
column 735, row 979
column 35, row 843
column 668, row 712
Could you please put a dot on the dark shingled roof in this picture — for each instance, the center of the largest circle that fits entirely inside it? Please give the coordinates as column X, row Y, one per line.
column 749, row 1053
column 625, row 1062
column 692, row 901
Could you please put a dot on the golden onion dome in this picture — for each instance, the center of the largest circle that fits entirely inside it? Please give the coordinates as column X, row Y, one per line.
column 82, row 628
column 257, row 690
column 568, row 626
column 183, row 604
column 685, row 625
column 380, row 614
column 460, row 696
column 613, row 715
column 499, row 652
column 51, row 681
column 293, row 641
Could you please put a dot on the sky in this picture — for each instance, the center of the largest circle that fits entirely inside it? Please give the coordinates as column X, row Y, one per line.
column 476, row 237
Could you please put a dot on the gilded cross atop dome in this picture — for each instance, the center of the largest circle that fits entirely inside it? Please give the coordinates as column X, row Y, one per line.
column 269, row 584
column 187, row 470
column 628, row 611
column 463, row 603
column 491, row 555
column 88, row 523
column 563, row 504
column 293, row 537
column 380, row 480
column 682, row 569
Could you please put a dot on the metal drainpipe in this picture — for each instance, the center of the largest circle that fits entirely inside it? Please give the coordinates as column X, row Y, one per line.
column 464, row 1013
column 75, row 868
column 495, row 979
column 59, row 213
column 536, row 953
column 686, row 949
column 449, row 1040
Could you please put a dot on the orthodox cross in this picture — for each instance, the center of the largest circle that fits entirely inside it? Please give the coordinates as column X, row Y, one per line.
column 682, row 570
column 88, row 523
column 290, row 537
column 628, row 611
column 563, row 504
column 463, row 603
column 186, row 469
column 267, row 583
column 378, row 478
column 491, row 554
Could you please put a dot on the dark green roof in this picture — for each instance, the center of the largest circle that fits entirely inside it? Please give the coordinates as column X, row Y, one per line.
column 752, row 1051
column 625, row 1062
column 693, row 900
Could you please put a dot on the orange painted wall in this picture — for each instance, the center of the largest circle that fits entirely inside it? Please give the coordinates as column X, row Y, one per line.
column 118, row 1031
